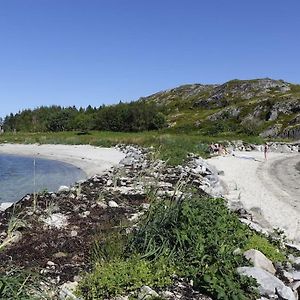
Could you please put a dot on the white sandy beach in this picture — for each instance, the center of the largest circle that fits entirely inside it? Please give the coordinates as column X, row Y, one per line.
column 271, row 185
column 92, row 160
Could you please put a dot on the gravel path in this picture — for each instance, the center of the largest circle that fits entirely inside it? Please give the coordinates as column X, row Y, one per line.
column 269, row 188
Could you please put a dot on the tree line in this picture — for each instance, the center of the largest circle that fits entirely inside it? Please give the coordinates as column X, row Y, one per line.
column 131, row 117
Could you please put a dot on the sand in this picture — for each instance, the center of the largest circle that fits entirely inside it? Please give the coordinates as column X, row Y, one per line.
column 92, row 160
column 270, row 187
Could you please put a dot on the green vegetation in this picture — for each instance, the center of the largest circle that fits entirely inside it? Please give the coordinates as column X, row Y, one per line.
column 240, row 107
column 119, row 276
column 196, row 239
column 130, row 117
column 19, row 285
column 263, row 245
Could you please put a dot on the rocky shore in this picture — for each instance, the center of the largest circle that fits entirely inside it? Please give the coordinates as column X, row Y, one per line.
column 53, row 233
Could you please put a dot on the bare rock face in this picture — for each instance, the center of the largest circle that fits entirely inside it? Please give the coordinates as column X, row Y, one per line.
column 243, row 89
column 226, row 113
column 292, row 132
column 271, row 131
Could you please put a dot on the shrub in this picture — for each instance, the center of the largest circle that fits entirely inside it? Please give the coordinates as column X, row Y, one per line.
column 199, row 236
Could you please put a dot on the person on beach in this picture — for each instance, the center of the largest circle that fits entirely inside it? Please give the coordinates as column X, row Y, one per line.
column 266, row 148
column 221, row 150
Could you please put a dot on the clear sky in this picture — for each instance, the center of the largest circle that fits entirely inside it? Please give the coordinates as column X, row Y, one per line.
column 80, row 52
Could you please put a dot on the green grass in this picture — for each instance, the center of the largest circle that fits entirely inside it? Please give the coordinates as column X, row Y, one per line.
column 18, row 284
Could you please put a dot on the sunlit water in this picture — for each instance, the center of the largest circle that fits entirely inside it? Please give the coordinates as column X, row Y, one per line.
column 17, row 176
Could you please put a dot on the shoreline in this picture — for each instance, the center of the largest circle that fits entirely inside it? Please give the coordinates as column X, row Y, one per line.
column 267, row 188
column 90, row 159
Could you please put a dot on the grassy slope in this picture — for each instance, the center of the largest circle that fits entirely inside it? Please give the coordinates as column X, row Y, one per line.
column 180, row 105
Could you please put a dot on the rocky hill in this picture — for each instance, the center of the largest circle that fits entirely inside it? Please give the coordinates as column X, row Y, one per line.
column 270, row 108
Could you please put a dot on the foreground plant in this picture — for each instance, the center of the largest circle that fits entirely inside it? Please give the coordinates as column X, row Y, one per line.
column 199, row 235
column 19, row 285
column 12, row 235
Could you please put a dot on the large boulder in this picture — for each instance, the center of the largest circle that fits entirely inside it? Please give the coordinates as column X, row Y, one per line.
column 269, row 285
column 259, row 260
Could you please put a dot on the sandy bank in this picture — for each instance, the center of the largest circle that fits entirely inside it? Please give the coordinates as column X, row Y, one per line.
column 271, row 187
column 92, row 160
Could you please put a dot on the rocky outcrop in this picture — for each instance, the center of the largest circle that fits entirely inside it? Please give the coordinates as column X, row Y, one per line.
column 243, row 90
column 291, row 132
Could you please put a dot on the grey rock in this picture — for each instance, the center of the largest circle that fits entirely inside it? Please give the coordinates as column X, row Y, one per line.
column 254, row 226
column 296, row 275
column 66, row 291
column 259, row 260
column 146, row 293
column 285, row 293
column 268, row 283
column 127, row 161
column 295, row 285
column 113, row 204
column 296, row 263
column 63, row 189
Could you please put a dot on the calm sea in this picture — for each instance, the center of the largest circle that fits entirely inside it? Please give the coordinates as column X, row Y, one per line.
column 17, row 176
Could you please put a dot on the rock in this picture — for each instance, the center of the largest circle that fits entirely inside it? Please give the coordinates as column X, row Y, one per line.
column 109, row 182
column 287, row 276
column 50, row 264
column 285, row 293
column 296, row 263
column 85, row 214
column 295, row 285
column 127, row 161
column 293, row 246
column 145, row 206
column 63, row 189
column 259, row 260
column 120, row 298
column 102, row 204
column 269, row 285
column 74, row 233
column 296, row 275
column 5, row 205
column 146, row 293
column 112, row 203
column 66, row 291
column 60, row 255
column 167, row 295
column 254, row 226
column 57, row 220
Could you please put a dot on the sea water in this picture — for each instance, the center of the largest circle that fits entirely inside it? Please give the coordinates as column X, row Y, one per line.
column 20, row 175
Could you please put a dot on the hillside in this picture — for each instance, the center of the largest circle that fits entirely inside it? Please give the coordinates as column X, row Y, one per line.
column 267, row 107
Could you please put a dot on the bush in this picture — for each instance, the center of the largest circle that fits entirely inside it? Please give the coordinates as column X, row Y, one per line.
column 199, row 236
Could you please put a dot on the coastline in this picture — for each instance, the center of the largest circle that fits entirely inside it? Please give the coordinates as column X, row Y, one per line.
column 90, row 159
column 267, row 188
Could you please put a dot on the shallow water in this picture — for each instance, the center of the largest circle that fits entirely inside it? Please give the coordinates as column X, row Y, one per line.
column 17, row 176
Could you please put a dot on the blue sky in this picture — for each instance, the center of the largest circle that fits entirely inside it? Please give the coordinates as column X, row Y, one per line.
column 80, row 52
